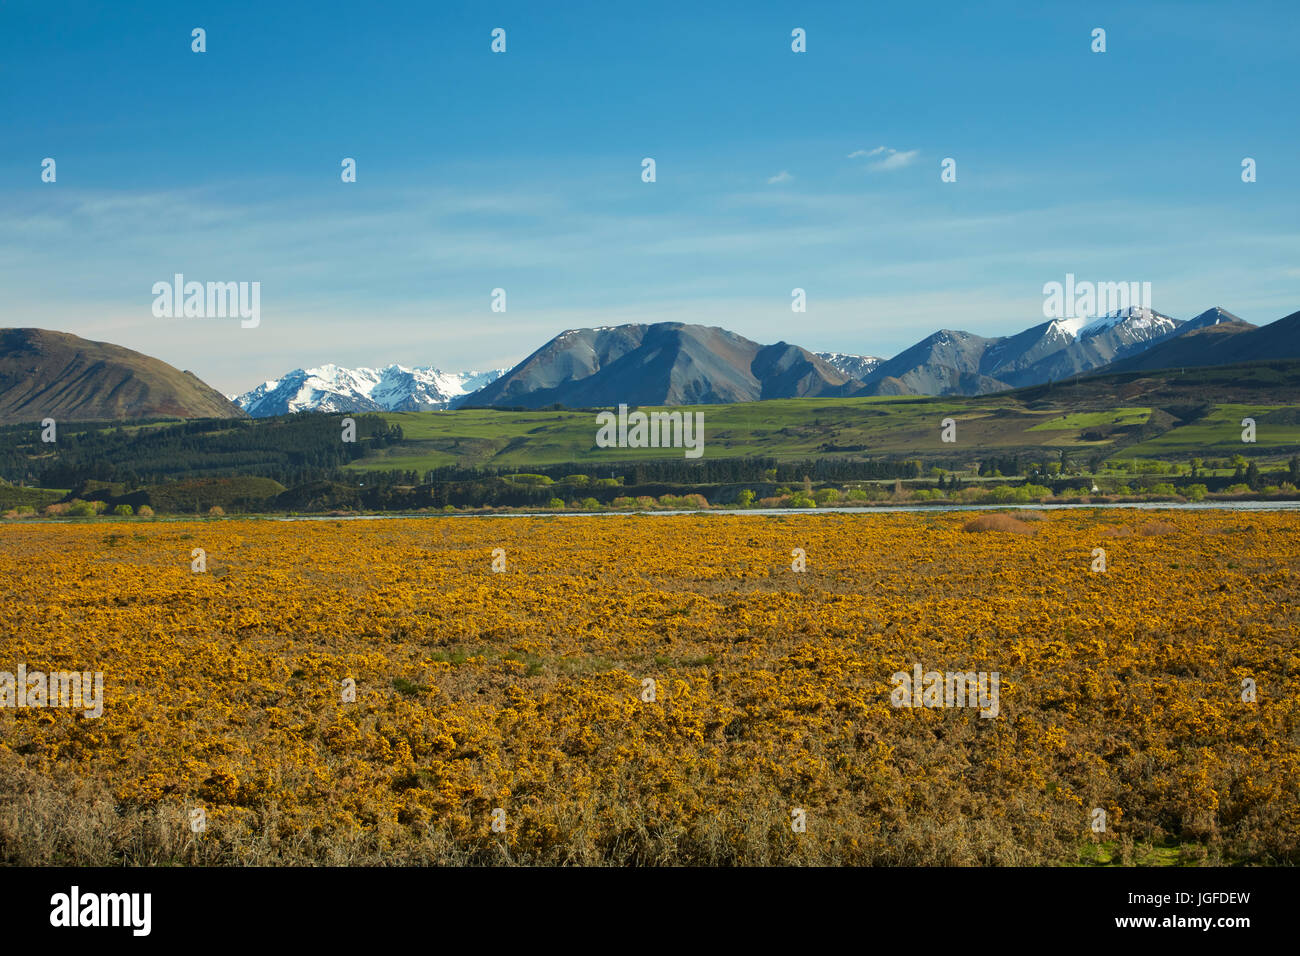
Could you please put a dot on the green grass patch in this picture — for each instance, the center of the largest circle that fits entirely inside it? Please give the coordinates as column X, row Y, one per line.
column 1077, row 421
column 1218, row 434
column 409, row 688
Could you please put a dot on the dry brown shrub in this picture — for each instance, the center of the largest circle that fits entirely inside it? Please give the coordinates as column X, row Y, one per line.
column 1152, row 528
column 1031, row 516
column 998, row 522
column 1123, row 531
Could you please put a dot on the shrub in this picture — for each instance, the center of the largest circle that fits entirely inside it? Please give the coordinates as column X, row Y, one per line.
column 81, row 509
column 1152, row 528
column 555, row 503
column 998, row 522
column 928, row 494
column 216, row 511
column 683, row 501
column 1196, row 492
column 144, row 511
column 623, row 502
column 124, row 511
column 745, row 499
column 590, row 504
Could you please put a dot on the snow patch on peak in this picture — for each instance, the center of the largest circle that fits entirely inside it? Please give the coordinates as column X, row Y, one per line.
column 1135, row 318
column 1070, row 327
column 854, row 366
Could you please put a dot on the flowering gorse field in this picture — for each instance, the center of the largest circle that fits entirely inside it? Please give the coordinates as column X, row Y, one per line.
column 655, row 690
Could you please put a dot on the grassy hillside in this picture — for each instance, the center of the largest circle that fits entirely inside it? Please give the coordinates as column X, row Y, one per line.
column 1276, row 426
column 12, row 496
column 1089, row 418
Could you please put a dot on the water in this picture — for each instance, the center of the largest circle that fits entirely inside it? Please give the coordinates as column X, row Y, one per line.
column 878, row 509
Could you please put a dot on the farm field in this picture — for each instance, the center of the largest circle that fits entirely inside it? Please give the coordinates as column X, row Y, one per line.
column 520, row 698
column 811, row 427
column 1150, row 414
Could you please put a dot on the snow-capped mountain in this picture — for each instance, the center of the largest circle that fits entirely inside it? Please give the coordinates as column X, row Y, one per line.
column 951, row 362
column 333, row 388
column 1216, row 337
column 674, row 363
column 854, row 366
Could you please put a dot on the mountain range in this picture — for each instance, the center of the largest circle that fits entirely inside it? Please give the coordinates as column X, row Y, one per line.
column 1225, row 341
column 951, row 362
column 332, row 388
column 54, row 374
column 674, row 363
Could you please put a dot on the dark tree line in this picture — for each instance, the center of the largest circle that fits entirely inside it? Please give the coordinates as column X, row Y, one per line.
column 292, row 450
column 703, row 471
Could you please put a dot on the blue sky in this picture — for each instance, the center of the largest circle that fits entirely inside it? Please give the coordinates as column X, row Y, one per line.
column 522, row 170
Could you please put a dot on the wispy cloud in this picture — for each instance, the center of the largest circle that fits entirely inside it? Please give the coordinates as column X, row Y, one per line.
column 897, row 160
column 406, row 274
column 782, row 177
column 892, row 158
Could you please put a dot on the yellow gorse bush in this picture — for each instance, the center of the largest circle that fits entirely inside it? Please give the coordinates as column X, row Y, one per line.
column 526, row 690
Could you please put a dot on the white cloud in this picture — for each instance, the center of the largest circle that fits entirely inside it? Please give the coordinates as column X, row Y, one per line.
column 405, row 277
column 893, row 158
column 781, row 177
column 897, row 160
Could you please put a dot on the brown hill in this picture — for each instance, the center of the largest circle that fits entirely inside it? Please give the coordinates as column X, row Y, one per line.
column 67, row 378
